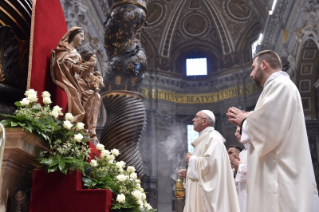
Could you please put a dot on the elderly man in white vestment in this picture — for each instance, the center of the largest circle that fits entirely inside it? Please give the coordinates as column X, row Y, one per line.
column 209, row 179
column 280, row 171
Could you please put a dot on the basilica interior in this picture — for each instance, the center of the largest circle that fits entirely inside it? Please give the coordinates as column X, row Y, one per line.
column 227, row 34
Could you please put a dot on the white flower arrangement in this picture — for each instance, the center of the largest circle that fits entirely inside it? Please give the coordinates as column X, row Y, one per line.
column 68, row 146
column 69, row 116
column 120, row 198
column 115, row 152
column 78, row 137
column 67, row 125
column 100, row 147
column 111, row 174
column 79, row 126
column 25, row 102
column 45, row 94
column 93, row 163
column 47, row 100
column 130, row 169
column 105, row 153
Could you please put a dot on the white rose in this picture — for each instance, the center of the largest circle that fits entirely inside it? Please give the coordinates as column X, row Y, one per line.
column 105, row 153
column 93, row 163
column 100, row 147
column 121, row 170
column 24, row 102
column 133, row 175
column 110, row 158
column 57, row 108
column 67, row 124
column 140, row 203
column 143, row 196
column 120, row 164
column 69, row 116
column 30, row 92
column 120, row 198
column 32, row 98
column 121, row 177
column 148, row 206
column 55, row 113
column 47, row 100
column 115, row 152
column 131, row 169
column 137, row 194
column 80, row 126
column 45, row 94
column 78, row 137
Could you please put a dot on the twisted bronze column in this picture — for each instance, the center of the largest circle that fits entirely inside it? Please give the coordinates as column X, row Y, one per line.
column 126, row 116
column 125, row 122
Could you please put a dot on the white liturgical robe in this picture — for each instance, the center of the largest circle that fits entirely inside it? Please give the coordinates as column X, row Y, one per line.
column 280, row 171
column 241, row 179
column 210, row 182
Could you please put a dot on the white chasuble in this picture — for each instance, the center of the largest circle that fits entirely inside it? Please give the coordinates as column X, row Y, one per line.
column 280, row 171
column 210, row 184
column 241, row 179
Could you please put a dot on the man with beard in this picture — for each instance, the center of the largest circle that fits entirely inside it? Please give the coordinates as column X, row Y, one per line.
column 209, row 180
column 280, row 176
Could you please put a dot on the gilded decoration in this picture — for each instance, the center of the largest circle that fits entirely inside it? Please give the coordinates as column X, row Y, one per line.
column 195, row 24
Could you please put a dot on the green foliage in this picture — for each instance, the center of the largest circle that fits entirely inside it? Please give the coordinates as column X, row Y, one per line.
column 35, row 118
column 63, row 164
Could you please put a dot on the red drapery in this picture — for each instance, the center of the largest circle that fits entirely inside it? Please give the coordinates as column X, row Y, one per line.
column 47, row 28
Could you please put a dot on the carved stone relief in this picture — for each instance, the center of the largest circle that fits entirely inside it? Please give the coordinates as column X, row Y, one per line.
column 238, row 9
column 155, row 13
column 195, row 25
column 194, row 4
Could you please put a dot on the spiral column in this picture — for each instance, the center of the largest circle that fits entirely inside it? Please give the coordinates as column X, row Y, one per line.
column 126, row 120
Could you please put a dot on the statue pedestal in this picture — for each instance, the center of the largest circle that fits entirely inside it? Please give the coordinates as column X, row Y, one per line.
column 21, row 148
column 52, row 192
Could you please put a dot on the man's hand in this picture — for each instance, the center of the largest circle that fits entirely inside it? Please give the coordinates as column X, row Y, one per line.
column 182, row 173
column 187, row 157
column 236, row 116
column 234, row 162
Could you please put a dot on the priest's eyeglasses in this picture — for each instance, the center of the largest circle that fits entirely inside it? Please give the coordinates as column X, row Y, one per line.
column 197, row 117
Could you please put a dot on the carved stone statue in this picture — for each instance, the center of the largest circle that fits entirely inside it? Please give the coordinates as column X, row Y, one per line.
column 77, row 78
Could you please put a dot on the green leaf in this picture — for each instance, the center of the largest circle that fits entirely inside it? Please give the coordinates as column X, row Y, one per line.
column 46, row 161
column 53, row 169
column 18, row 104
column 14, row 124
column 21, row 118
column 53, row 163
column 6, row 123
column 86, row 180
column 61, row 165
column 64, row 171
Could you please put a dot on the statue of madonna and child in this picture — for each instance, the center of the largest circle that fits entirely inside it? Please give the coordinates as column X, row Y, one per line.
column 76, row 75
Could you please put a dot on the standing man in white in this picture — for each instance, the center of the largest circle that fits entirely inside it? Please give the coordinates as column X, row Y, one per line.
column 240, row 167
column 209, row 182
column 280, row 175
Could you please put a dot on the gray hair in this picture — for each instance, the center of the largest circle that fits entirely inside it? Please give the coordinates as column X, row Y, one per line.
column 211, row 122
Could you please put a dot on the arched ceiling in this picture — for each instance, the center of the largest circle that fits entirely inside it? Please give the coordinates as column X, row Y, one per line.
column 223, row 29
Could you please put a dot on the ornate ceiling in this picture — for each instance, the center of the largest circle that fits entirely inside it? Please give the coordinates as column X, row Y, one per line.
column 221, row 30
